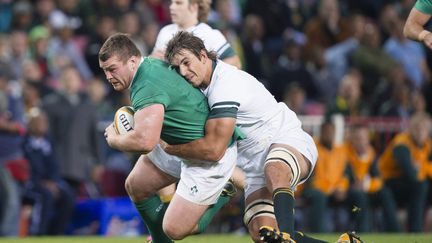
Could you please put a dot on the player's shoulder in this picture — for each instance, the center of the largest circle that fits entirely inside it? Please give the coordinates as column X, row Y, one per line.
column 169, row 29
column 205, row 29
column 226, row 74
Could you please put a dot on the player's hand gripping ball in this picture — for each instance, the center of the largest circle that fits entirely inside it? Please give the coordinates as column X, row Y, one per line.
column 124, row 119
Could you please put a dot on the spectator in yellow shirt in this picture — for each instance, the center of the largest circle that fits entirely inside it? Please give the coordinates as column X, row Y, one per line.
column 404, row 168
column 365, row 181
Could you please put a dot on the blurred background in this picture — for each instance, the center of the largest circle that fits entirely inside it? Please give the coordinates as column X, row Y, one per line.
column 358, row 85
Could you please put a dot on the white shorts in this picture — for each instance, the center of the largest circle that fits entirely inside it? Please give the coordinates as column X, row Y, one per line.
column 200, row 182
column 251, row 157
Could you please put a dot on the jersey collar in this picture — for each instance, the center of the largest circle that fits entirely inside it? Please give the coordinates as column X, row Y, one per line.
column 142, row 60
column 214, row 65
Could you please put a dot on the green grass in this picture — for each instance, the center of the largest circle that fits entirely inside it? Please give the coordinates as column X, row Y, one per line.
column 367, row 238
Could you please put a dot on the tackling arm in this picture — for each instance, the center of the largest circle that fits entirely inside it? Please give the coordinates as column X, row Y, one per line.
column 145, row 135
column 218, row 133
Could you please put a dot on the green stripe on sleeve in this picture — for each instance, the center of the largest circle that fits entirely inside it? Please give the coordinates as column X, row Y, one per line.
column 223, row 112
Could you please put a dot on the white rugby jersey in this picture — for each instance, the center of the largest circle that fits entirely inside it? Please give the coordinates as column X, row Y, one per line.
column 259, row 115
column 213, row 39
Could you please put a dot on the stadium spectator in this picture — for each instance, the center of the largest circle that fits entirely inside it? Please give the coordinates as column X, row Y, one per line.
column 338, row 56
column 252, row 40
column 384, row 90
column 325, row 81
column 275, row 18
column 399, row 104
column 404, row 165
column 19, row 53
column 328, row 184
column 129, row 23
column 22, row 16
column 370, row 59
column 33, row 74
column 79, row 15
column 63, row 50
column 328, row 27
column 409, row 53
column 295, row 98
column 12, row 163
column 73, row 129
column 366, row 183
column 39, row 37
column 106, row 27
column 43, row 10
column 348, row 101
column 53, row 199
column 290, row 68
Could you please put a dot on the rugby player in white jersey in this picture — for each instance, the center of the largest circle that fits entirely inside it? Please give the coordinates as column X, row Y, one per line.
column 276, row 155
column 191, row 16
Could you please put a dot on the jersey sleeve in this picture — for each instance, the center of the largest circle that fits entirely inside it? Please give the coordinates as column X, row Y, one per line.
column 147, row 95
column 424, row 6
column 224, row 100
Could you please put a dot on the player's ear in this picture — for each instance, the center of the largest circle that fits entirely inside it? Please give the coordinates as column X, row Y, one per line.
column 203, row 56
column 133, row 63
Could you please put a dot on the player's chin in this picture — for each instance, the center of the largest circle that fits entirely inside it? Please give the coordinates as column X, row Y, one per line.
column 118, row 87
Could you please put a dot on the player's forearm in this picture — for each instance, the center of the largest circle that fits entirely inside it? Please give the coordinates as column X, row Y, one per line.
column 135, row 143
column 200, row 149
column 412, row 31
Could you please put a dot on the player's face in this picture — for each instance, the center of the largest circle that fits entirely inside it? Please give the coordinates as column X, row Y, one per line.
column 190, row 67
column 118, row 73
column 181, row 11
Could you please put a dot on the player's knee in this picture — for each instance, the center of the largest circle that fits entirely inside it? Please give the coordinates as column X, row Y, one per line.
column 174, row 230
column 282, row 168
column 135, row 191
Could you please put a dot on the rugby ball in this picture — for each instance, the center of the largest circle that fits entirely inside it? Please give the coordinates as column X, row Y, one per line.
column 124, row 119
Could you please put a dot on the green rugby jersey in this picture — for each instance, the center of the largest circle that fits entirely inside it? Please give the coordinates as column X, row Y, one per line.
column 424, row 6
column 186, row 108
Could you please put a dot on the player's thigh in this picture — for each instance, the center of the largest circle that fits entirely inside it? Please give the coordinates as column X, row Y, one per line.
column 145, row 179
column 182, row 216
column 259, row 212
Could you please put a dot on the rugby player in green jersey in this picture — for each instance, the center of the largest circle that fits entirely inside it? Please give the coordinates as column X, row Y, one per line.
column 166, row 107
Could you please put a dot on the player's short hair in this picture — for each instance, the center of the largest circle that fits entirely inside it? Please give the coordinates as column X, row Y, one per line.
column 184, row 40
column 119, row 45
column 203, row 9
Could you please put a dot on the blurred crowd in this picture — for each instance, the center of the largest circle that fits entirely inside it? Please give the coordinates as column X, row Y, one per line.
column 321, row 57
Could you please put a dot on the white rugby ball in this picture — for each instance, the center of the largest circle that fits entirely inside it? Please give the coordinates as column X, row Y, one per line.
column 124, row 119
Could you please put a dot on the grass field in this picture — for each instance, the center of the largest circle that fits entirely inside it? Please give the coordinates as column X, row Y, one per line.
column 367, row 238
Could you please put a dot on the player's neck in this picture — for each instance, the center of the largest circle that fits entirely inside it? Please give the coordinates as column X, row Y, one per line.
column 209, row 67
column 187, row 24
